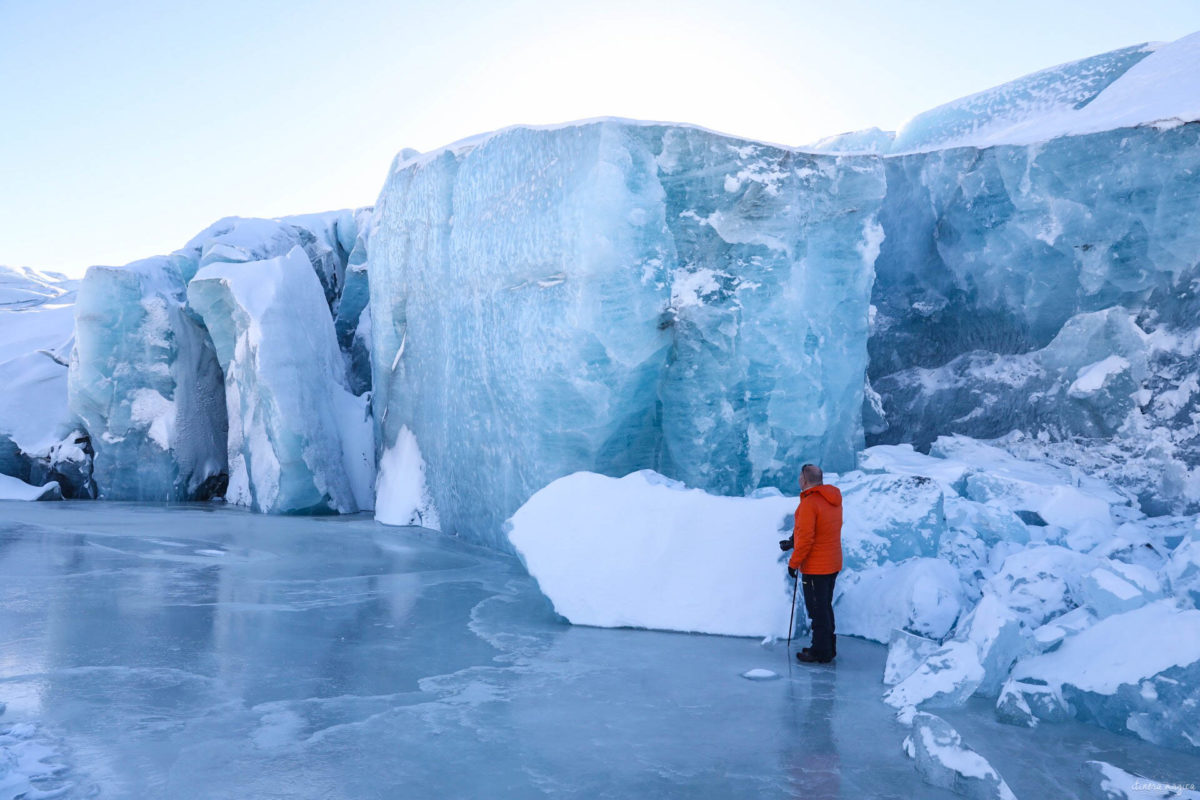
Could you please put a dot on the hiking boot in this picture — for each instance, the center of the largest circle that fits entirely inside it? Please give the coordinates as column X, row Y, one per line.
column 805, row 656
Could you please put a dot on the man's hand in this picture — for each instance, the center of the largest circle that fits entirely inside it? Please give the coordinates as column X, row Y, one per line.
column 792, row 572
column 786, row 544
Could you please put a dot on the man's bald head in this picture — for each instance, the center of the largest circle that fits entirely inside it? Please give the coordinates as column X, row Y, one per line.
column 811, row 475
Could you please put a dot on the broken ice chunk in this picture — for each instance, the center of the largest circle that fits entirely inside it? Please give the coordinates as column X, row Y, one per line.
column 1108, row 782
column 921, row 595
column 1137, row 672
column 299, row 440
column 906, row 651
column 943, row 760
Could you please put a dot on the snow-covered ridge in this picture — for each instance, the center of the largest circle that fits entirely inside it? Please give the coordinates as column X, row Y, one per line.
column 1147, row 84
column 1154, row 83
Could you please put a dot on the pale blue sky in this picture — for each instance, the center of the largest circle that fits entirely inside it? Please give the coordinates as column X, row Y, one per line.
column 126, row 127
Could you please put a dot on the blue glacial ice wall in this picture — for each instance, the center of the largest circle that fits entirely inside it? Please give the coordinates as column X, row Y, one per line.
column 150, row 388
column 1048, row 289
column 613, row 296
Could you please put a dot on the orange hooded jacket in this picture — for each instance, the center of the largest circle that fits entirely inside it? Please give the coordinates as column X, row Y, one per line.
column 817, row 535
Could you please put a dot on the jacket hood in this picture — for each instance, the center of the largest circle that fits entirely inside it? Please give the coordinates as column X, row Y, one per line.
column 830, row 494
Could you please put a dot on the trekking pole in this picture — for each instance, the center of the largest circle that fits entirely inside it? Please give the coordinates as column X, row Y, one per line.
column 792, row 618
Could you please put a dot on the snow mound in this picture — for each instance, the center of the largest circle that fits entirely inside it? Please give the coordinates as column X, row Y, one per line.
column 644, row 551
column 401, row 495
column 16, row 489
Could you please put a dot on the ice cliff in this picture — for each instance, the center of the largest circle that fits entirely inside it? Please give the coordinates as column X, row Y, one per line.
column 613, row 296
column 233, row 358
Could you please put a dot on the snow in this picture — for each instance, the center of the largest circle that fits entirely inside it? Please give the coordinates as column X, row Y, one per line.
column 1092, row 377
column 1041, row 582
column 31, row 764
column 1137, row 672
column 401, row 495
column 760, row 674
column 1152, row 640
column 15, row 489
column 902, row 459
column 36, row 324
column 644, row 551
column 947, row 677
column 1134, row 86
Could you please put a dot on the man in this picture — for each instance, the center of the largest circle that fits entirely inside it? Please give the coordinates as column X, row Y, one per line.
column 816, row 546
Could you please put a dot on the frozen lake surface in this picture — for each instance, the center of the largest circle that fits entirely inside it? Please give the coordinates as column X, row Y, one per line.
column 211, row 653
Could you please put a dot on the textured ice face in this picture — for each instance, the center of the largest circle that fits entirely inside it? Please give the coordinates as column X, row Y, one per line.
column 299, row 440
column 1047, row 289
column 145, row 381
column 613, row 296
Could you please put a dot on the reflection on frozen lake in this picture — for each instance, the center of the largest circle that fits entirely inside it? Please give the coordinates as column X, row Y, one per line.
column 211, row 653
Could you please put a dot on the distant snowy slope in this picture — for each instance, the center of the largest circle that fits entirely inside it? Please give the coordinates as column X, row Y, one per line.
column 1138, row 85
column 36, row 325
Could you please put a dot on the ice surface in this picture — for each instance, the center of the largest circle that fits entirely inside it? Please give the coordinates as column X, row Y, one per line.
column 145, row 382
column 612, row 296
column 645, row 551
column 943, row 760
column 217, row 654
column 299, row 440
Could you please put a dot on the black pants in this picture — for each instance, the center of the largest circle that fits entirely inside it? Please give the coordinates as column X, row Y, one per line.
column 818, row 601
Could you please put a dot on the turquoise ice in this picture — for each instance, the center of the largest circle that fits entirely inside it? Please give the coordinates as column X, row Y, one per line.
column 613, row 296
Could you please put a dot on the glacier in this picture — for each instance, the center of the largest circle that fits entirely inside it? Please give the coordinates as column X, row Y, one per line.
column 613, row 296
column 300, row 441
column 607, row 347
column 40, row 439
